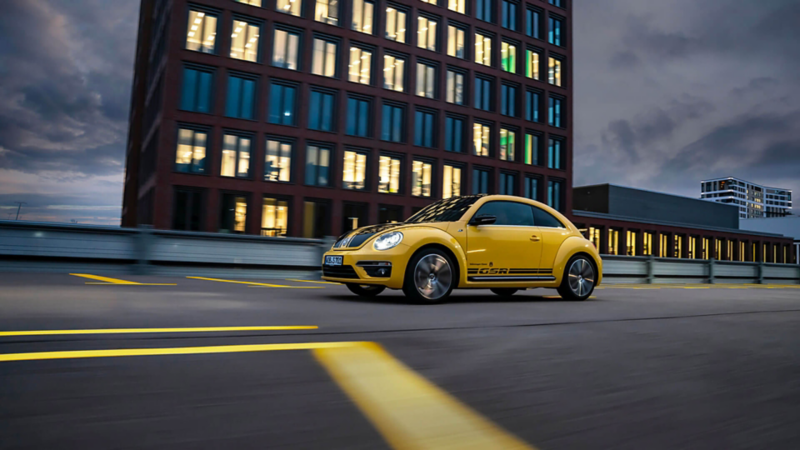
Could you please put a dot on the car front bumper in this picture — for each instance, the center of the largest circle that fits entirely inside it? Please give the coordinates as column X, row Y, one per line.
column 366, row 265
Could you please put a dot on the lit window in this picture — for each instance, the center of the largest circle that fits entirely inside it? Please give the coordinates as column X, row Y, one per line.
column 363, row 11
column 483, row 10
column 424, row 129
column 532, row 106
column 532, row 149
column 483, row 49
column 663, row 248
column 196, row 90
column 318, row 165
column 281, row 104
column 201, row 32
column 274, row 216
column 321, row 111
column 426, row 33
column 454, row 134
column 360, row 68
column 532, row 189
column 395, row 24
column 190, row 156
column 455, row 42
column 647, row 244
column 285, row 49
column 324, row 58
column 233, row 213
column 358, row 115
column 426, row 80
column 421, row 179
column 327, row 11
column 389, row 173
column 458, row 6
column 532, row 64
column 555, row 31
column 241, row 97
column 235, row 156
column 250, row 2
column 392, row 127
column 354, row 171
column 508, row 184
column 451, row 181
column 613, row 241
column 555, row 71
column 480, row 181
column 245, row 40
column 508, row 144
column 455, row 87
column 278, row 163
column 481, row 139
column 555, row 154
column 631, row 243
column 293, row 7
column 393, row 73
column 510, row 15
column 508, row 103
column 508, row 55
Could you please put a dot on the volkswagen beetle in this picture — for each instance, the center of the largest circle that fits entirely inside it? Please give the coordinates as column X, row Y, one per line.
column 498, row 242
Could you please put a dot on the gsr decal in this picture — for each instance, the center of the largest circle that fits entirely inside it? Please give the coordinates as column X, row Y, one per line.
column 492, row 271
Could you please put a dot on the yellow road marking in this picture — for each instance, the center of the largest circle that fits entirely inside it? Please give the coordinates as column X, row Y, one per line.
column 312, row 281
column 291, row 287
column 155, row 330
column 408, row 410
column 117, row 281
column 171, row 351
column 251, row 283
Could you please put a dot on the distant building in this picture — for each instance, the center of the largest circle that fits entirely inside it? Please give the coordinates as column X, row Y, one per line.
column 787, row 226
column 635, row 222
column 753, row 200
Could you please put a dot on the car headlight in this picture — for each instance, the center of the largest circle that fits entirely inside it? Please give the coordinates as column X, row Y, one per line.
column 388, row 240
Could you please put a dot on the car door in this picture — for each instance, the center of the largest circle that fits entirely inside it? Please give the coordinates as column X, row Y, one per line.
column 510, row 246
column 553, row 234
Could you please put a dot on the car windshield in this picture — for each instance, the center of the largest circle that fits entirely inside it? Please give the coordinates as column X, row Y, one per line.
column 447, row 210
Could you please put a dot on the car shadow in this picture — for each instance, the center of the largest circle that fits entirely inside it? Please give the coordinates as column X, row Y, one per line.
column 397, row 298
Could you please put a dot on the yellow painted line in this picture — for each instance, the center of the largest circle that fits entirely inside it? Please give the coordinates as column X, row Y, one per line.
column 313, row 281
column 171, row 351
column 408, row 410
column 117, row 281
column 290, row 287
column 129, row 284
column 155, row 330
column 251, row 283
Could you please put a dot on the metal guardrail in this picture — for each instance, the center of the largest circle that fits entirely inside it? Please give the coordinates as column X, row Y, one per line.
column 36, row 247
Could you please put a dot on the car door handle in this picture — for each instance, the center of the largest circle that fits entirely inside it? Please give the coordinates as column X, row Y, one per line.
column 535, row 238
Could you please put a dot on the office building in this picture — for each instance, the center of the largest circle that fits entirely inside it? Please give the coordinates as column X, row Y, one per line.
column 310, row 117
column 753, row 200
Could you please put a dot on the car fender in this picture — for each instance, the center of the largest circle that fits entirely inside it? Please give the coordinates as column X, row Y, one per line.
column 418, row 237
column 570, row 247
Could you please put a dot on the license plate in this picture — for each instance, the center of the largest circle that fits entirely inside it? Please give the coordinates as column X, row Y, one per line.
column 333, row 260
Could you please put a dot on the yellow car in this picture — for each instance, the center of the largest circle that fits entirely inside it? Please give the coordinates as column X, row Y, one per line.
column 496, row 242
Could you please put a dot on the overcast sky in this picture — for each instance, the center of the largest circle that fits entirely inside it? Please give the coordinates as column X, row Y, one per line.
column 666, row 93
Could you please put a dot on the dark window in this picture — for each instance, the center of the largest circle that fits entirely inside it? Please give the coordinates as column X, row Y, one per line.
column 555, row 31
column 480, row 181
column 510, row 15
column 424, row 128
column 483, row 93
column 358, row 114
column 555, row 112
column 455, row 87
column 241, row 96
column 282, row 104
column 233, row 213
column 542, row 218
column 555, row 194
column 559, row 3
column 321, row 110
column 390, row 214
column 318, row 165
column 483, row 10
column 454, row 134
column 190, row 156
column 508, row 213
column 392, row 126
column 533, row 23
column 354, row 215
column 508, row 184
column 508, row 105
column 316, row 219
column 532, row 188
column 187, row 210
column 532, row 106
column 196, row 91
column 555, row 154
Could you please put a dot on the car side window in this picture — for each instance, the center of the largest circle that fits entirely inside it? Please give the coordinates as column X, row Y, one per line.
column 542, row 218
column 508, row 213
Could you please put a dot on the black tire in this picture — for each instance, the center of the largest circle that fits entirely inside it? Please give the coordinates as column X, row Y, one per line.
column 504, row 292
column 580, row 277
column 444, row 277
column 365, row 290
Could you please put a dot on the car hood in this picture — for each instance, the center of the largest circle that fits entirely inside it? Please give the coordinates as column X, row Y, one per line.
column 359, row 236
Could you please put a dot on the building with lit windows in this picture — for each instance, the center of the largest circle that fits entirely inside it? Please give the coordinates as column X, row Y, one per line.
column 753, row 200
column 310, row 117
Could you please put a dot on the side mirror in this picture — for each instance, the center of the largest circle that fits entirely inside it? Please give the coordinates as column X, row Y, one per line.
column 483, row 219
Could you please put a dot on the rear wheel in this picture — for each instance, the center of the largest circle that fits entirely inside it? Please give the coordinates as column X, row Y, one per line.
column 579, row 279
column 430, row 277
column 504, row 292
column 365, row 290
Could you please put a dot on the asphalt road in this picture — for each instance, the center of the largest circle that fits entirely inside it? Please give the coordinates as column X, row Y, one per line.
column 699, row 368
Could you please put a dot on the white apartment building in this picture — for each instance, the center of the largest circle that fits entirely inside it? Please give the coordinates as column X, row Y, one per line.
column 753, row 200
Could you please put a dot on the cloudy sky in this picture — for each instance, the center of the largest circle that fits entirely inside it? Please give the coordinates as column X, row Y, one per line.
column 666, row 93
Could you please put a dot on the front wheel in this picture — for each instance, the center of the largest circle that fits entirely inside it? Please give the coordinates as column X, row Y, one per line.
column 365, row 290
column 579, row 279
column 430, row 277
